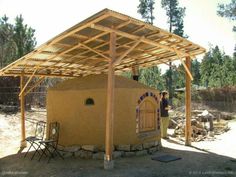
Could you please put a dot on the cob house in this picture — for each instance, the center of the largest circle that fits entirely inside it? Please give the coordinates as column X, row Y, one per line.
column 79, row 105
column 94, row 108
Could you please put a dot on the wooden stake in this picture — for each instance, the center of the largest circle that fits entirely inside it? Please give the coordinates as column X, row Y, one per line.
column 108, row 163
column 22, row 106
column 188, row 103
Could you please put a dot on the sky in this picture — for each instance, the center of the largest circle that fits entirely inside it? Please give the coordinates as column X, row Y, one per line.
column 51, row 17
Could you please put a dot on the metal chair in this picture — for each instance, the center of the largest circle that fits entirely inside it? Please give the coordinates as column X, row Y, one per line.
column 38, row 136
column 49, row 146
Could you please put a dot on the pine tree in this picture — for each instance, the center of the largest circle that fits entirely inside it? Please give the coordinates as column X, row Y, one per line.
column 152, row 77
column 8, row 46
column 228, row 11
column 175, row 16
column 217, row 69
column 16, row 40
column 234, row 67
column 195, row 68
column 23, row 37
column 146, row 8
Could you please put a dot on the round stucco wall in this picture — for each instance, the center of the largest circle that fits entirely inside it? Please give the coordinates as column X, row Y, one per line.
column 82, row 124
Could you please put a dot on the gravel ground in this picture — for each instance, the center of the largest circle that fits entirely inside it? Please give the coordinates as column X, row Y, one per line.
column 208, row 159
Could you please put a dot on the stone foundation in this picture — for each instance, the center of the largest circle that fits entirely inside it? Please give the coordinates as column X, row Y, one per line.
column 98, row 152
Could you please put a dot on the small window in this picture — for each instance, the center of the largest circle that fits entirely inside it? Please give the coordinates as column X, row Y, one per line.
column 89, row 102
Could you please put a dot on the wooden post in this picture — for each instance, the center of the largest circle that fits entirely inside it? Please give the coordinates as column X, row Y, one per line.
column 108, row 162
column 188, row 103
column 22, row 108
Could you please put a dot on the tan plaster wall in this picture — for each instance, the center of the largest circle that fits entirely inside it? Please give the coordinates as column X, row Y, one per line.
column 81, row 124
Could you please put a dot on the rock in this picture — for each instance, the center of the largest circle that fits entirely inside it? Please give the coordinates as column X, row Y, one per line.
column 84, row 154
column 118, row 154
column 129, row 154
column 72, row 148
column 66, row 154
column 159, row 147
column 136, row 147
column 152, row 150
column 156, row 143
column 148, row 145
column 124, row 147
column 91, row 148
column 77, row 154
column 141, row 153
column 98, row 156
column 101, row 148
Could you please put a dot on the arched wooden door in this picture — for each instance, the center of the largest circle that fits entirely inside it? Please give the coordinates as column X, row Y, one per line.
column 147, row 117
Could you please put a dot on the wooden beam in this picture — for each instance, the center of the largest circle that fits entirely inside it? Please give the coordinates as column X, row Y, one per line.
column 102, row 34
column 188, row 104
column 44, row 75
column 55, row 40
column 108, row 162
column 84, row 42
column 94, row 38
column 60, row 54
column 31, row 77
column 95, row 51
column 135, row 37
column 152, row 61
column 22, row 109
column 35, row 85
column 164, row 38
column 185, row 66
column 117, row 61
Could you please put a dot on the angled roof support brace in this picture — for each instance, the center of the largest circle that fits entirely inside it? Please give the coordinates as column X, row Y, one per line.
column 27, row 83
column 118, row 60
column 183, row 63
column 87, row 47
column 35, row 85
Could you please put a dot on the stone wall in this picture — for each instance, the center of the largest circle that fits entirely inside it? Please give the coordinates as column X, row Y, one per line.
column 98, row 152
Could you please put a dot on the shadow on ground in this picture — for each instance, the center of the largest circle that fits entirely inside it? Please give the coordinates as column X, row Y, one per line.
column 200, row 163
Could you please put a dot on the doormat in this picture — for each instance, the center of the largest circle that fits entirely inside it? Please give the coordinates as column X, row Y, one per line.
column 166, row 158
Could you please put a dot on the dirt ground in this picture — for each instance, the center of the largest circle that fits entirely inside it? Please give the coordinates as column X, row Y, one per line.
column 208, row 158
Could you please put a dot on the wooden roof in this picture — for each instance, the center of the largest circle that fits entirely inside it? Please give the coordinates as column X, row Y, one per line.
column 84, row 48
